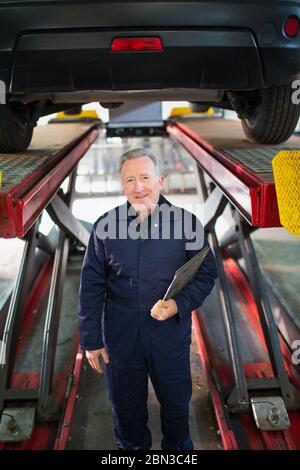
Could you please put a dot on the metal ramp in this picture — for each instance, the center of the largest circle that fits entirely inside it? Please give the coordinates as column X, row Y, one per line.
column 257, row 396
column 31, row 398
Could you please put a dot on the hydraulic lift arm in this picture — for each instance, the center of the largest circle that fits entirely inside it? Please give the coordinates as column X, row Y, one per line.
column 232, row 173
column 23, row 196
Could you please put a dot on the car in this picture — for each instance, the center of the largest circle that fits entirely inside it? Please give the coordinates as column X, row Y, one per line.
column 240, row 55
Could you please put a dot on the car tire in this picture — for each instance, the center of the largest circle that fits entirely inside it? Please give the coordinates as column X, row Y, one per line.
column 15, row 130
column 275, row 118
column 73, row 111
column 199, row 108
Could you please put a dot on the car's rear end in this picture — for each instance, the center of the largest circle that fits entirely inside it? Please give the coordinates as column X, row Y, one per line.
column 242, row 55
column 66, row 46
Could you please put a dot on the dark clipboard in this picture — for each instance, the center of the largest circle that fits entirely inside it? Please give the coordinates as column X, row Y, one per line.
column 185, row 273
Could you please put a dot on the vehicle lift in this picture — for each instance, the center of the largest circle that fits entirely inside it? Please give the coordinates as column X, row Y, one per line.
column 29, row 398
column 257, row 405
column 240, row 176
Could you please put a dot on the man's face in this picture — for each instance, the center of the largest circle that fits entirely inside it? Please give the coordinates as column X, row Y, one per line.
column 141, row 183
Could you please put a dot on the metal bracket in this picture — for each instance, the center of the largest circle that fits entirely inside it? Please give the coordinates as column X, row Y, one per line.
column 62, row 215
column 16, row 424
column 214, row 206
column 238, row 401
column 48, row 410
column 270, row 413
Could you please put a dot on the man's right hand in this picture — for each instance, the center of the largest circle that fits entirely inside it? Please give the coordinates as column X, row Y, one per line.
column 93, row 358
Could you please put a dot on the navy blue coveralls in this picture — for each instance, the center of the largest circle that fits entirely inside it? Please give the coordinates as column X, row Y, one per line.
column 122, row 278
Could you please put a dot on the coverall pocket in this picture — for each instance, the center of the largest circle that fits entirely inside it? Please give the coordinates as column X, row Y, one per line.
column 166, row 266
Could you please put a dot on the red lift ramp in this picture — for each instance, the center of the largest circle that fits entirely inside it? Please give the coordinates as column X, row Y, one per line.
column 37, row 374
column 255, row 388
column 31, row 179
column 243, row 171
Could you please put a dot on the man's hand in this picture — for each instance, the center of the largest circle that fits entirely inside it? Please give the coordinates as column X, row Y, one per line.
column 93, row 358
column 164, row 309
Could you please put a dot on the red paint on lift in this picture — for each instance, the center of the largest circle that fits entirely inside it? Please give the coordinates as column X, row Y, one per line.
column 25, row 201
column 227, row 435
column 253, row 193
column 44, row 434
column 256, row 440
column 246, row 298
column 65, row 427
column 286, row 440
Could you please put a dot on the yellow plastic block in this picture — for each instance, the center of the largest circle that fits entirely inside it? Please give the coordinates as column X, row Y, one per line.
column 85, row 113
column 286, row 169
column 0, row 179
column 186, row 110
column 179, row 111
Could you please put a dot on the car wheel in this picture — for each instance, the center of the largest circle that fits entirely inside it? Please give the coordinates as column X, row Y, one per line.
column 273, row 121
column 15, row 129
column 199, row 108
column 72, row 111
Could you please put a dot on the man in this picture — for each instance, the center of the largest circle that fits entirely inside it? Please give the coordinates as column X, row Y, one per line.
column 133, row 253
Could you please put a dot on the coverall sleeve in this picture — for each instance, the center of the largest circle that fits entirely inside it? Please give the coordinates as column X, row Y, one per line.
column 196, row 291
column 92, row 293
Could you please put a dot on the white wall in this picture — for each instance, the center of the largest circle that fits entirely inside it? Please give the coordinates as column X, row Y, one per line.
column 104, row 113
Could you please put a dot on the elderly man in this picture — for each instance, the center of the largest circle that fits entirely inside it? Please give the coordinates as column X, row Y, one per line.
column 133, row 253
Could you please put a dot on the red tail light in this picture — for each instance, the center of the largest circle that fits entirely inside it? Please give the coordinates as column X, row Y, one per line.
column 137, row 44
column 291, row 27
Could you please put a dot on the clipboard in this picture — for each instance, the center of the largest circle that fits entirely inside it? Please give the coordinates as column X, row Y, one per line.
column 185, row 273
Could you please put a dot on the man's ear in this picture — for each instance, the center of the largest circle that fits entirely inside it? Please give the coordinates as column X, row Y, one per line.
column 161, row 181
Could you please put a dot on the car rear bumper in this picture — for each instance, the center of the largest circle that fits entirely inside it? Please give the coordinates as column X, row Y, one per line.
column 84, row 61
column 207, row 45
